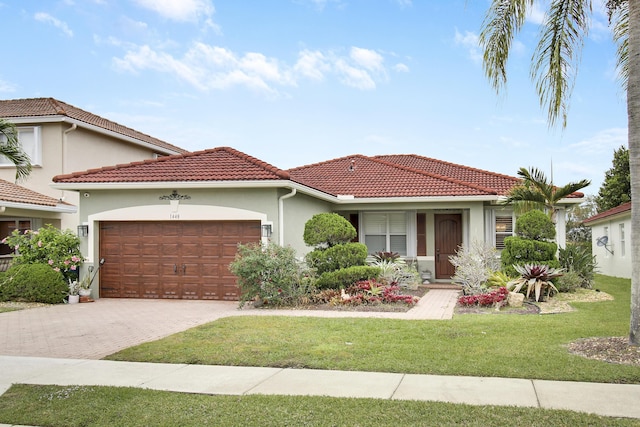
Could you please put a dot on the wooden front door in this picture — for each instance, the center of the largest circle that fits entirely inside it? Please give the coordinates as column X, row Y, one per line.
column 448, row 237
column 172, row 259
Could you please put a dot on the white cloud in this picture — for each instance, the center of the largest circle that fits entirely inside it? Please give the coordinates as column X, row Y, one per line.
column 404, row 3
column 369, row 59
column 48, row 19
column 180, row 10
column 603, row 142
column 401, row 68
column 312, row 64
column 469, row 40
column 208, row 67
column 354, row 77
column 536, row 14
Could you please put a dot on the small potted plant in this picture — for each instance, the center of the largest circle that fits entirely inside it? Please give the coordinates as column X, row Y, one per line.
column 84, row 287
column 74, row 291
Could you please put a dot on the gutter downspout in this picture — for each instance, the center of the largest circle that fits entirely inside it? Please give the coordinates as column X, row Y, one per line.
column 281, row 215
column 64, row 151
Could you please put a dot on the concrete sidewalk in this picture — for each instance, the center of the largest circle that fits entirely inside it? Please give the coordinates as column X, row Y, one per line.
column 617, row 400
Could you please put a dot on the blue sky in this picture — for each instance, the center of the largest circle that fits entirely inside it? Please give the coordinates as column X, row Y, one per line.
column 295, row 82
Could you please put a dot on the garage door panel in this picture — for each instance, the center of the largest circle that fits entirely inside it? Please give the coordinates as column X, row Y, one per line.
column 140, row 258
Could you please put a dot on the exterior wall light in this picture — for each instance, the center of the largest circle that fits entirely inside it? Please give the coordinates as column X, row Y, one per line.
column 83, row 230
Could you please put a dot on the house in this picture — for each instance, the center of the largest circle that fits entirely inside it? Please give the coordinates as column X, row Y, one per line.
column 20, row 202
column 61, row 138
column 168, row 227
column 611, row 240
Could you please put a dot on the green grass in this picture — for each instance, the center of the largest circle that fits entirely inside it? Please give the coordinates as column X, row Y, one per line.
column 517, row 346
column 115, row 407
column 7, row 309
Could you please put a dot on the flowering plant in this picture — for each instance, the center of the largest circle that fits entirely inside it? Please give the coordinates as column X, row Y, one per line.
column 48, row 245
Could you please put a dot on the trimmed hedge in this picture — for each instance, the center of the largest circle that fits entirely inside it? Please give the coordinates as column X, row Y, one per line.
column 347, row 276
column 524, row 251
column 328, row 229
column 337, row 257
column 33, row 283
column 535, row 225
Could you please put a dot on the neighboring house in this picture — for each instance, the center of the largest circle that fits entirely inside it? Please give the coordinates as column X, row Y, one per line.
column 168, row 228
column 61, row 138
column 20, row 202
column 611, row 240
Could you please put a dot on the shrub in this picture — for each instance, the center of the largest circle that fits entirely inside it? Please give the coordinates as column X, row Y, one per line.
column 271, row 274
column 568, row 282
column 337, row 257
column 328, row 229
column 579, row 260
column 346, row 277
column 535, row 225
column 486, row 299
column 386, row 256
column 48, row 245
column 372, row 292
column 33, row 283
column 520, row 251
column 474, row 265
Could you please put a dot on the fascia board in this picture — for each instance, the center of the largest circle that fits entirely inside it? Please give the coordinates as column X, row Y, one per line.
column 33, row 207
column 94, row 128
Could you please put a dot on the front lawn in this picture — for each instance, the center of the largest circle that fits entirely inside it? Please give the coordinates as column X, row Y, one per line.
column 128, row 407
column 518, row 346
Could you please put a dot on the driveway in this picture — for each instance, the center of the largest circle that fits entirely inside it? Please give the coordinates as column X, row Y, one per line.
column 95, row 330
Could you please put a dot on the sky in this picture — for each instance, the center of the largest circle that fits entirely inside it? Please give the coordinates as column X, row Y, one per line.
column 296, row 82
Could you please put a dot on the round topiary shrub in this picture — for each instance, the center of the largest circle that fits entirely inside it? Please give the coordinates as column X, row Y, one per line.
column 337, row 257
column 535, row 225
column 33, row 283
column 328, row 229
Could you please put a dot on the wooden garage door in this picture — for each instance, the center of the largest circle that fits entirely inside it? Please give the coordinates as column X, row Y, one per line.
column 164, row 259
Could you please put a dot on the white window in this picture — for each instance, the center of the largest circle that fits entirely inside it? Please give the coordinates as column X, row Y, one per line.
column 504, row 228
column 386, row 232
column 622, row 240
column 29, row 138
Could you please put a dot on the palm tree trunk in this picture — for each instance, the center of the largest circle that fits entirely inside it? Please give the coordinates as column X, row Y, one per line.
column 633, row 107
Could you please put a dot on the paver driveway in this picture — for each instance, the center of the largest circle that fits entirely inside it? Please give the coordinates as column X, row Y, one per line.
column 95, row 330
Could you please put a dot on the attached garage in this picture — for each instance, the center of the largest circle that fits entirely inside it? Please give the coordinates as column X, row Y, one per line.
column 171, row 259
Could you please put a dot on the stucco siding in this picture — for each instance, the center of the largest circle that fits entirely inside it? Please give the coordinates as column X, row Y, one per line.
column 618, row 263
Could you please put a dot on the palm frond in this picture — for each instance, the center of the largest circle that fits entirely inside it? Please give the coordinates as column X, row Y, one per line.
column 504, row 19
column 619, row 21
column 11, row 149
column 557, row 55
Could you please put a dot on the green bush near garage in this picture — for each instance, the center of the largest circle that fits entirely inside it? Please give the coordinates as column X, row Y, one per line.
column 33, row 283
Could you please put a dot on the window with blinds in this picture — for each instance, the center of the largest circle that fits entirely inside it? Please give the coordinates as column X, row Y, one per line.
column 504, row 228
column 385, row 232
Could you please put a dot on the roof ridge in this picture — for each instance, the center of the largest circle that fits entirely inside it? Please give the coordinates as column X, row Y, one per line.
column 269, row 167
column 327, row 161
column 435, row 175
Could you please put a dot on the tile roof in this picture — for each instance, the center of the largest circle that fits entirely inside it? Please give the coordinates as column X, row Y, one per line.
column 217, row 164
column 46, row 107
column 501, row 184
column 399, row 176
column 611, row 212
column 13, row 193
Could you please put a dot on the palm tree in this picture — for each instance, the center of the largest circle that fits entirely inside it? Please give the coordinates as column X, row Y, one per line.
column 537, row 192
column 11, row 149
column 553, row 71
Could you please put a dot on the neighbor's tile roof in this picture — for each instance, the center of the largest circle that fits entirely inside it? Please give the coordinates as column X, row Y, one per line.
column 611, row 212
column 399, row 176
column 43, row 107
column 217, row 164
column 13, row 193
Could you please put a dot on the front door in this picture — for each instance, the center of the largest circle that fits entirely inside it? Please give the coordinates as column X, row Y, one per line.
column 448, row 236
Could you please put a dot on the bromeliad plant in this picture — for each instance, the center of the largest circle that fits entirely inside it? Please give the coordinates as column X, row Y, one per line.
column 536, row 277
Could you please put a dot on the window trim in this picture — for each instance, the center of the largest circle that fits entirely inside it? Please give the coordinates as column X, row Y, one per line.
column 36, row 156
column 388, row 233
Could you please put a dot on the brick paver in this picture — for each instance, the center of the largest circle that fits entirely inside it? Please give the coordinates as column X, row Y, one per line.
column 95, row 330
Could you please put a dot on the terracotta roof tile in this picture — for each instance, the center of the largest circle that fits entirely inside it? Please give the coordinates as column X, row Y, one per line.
column 217, row 164
column 372, row 177
column 501, row 184
column 43, row 107
column 611, row 212
column 13, row 193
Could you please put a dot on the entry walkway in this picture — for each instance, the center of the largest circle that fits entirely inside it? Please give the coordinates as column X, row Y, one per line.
column 617, row 400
